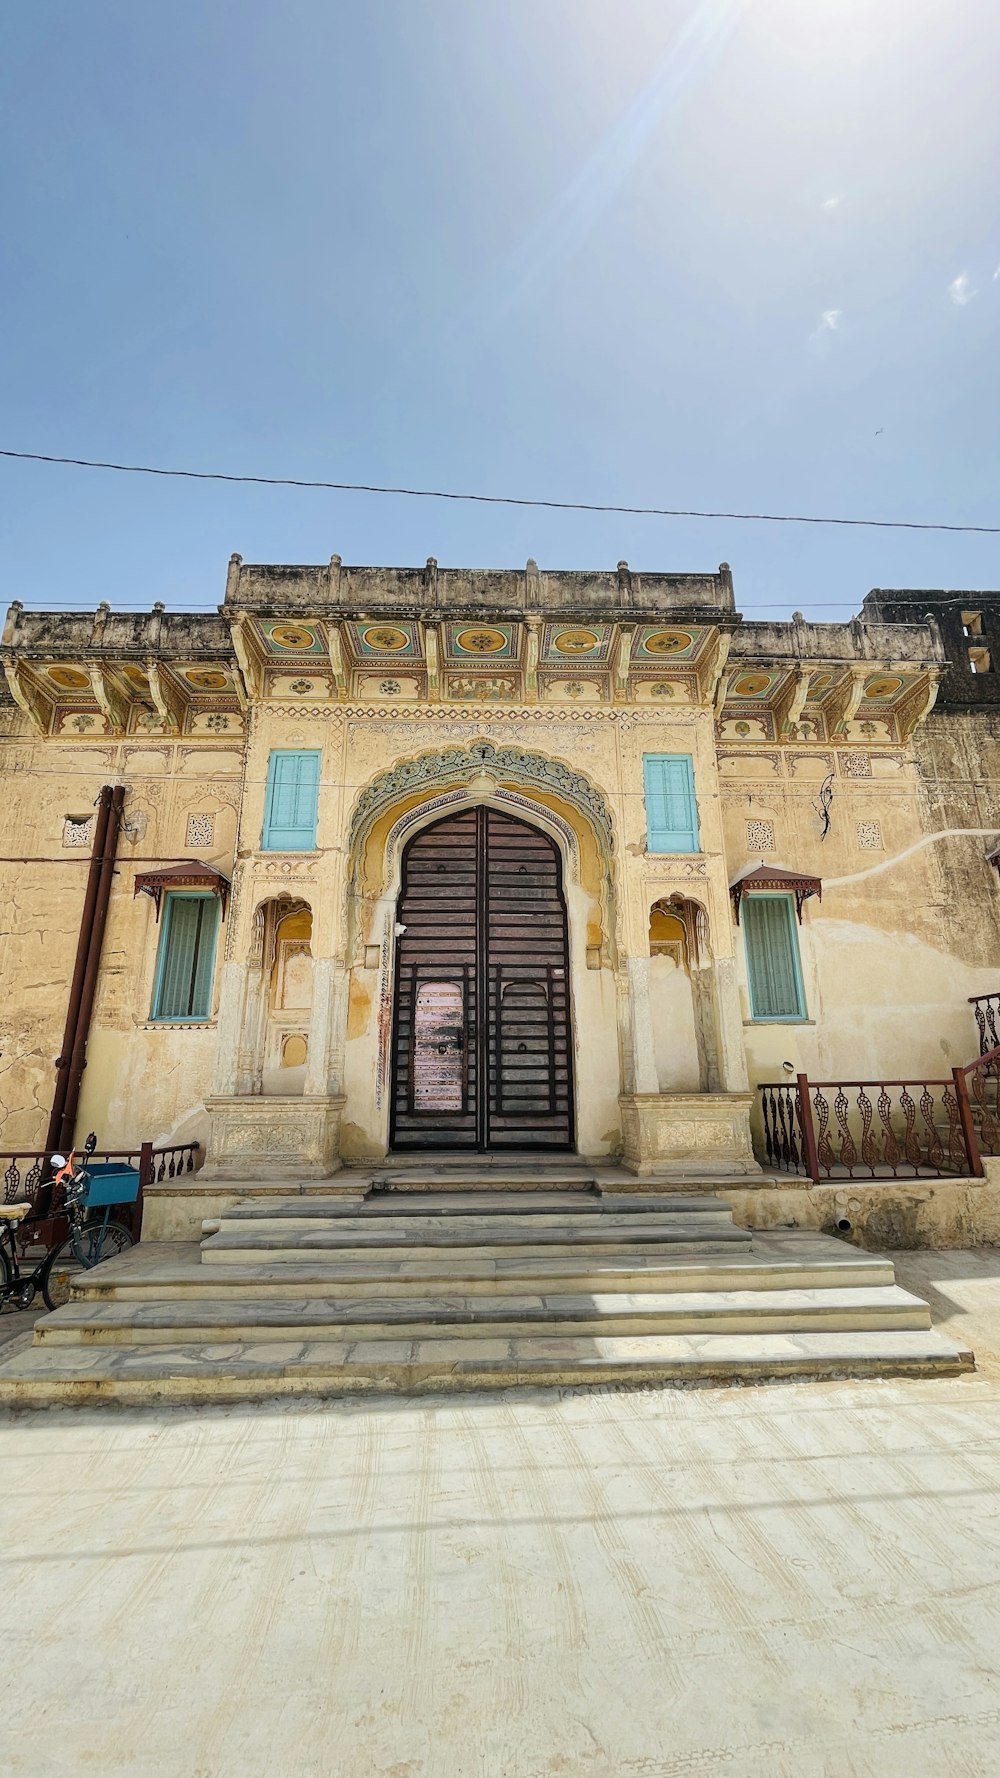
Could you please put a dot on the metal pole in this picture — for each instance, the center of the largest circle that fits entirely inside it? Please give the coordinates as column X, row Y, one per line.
column 78, row 1058
column 54, row 1137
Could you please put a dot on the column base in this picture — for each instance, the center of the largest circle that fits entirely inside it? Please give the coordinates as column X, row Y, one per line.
column 687, row 1136
column 261, row 1137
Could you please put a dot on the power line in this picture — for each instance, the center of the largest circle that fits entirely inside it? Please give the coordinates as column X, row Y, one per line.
column 658, row 512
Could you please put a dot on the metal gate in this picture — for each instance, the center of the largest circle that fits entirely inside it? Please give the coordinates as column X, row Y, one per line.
column 482, row 1057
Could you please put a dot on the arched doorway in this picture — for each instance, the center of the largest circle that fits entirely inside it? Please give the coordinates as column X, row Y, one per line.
column 482, row 1046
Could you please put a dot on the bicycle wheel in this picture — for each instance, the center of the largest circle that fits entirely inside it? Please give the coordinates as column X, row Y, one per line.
column 6, row 1274
column 84, row 1247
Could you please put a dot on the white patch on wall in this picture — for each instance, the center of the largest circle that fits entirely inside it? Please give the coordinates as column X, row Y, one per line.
column 760, row 836
column 200, row 830
column 78, row 830
column 856, row 765
column 870, row 836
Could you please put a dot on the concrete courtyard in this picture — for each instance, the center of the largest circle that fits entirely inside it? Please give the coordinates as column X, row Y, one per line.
column 791, row 1581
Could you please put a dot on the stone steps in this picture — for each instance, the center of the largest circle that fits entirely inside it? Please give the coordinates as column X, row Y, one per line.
column 286, row 1239
column 233, row 1372
column 326, row 1296
column 166, row 1274
column 485, row 1317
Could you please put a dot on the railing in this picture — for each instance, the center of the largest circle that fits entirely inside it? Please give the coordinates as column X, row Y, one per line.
column 885, row 1129
column 987, row 1010
column 982, row 1081
column 25, row 1172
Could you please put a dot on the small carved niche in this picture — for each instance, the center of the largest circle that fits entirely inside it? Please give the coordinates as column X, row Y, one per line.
column 667, row 935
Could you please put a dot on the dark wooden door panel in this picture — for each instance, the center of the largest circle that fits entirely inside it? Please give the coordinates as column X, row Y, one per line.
column 481, row 1042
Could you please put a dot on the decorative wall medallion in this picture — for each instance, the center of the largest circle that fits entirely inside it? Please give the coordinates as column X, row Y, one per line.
column 856, row 765
column 667, row 642
column 78, row 830
column 480, row 641
column 69, row 678
column 384, row 639
column 296, row 637
column 207, row 678
column 882, row 686
column 200, row 830
column 301, row 686
column 136, row 677
column 217, row 722
column 661, row 688
column 391, row 687
column 576, row 642
column 760, row 836
column 751, row 685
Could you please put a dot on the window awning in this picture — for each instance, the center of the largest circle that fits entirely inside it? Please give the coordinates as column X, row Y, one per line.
column 775, row 877
column 189, row 874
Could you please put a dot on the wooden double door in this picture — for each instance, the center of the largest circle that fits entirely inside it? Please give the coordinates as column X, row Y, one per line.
column 482, row 1050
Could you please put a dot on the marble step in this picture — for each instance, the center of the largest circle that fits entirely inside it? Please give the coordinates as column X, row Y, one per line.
column 483, row 1317
column 232, row 1371
column 491, row 1237
column 481, row 1203
column 169, row 1270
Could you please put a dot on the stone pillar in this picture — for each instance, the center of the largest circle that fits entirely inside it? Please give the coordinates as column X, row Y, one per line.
column 731, row 1049
column 239, row 998
column 644, row 1076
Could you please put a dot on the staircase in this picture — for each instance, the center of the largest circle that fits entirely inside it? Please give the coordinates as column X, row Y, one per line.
column 481, row 1285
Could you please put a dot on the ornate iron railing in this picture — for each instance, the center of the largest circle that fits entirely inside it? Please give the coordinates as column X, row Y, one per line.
column 25, row 1172
column 884, row 1129
column 987, row 1010
column 982, row 1082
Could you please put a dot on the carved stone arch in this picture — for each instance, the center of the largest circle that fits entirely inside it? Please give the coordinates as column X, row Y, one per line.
column 482, row 772
column 267, row 916
column 459, row 764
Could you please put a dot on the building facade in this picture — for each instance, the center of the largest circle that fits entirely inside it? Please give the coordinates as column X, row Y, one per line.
column 448, row 859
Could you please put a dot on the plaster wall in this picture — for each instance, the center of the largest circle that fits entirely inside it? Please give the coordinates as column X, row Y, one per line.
column 890, row 959
column 143, row 1081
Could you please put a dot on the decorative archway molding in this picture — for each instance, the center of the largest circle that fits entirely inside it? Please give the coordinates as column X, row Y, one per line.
column 457, row 765
column 475, row 773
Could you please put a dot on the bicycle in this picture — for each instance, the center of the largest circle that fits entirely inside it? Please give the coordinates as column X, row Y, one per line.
column 91, row 1238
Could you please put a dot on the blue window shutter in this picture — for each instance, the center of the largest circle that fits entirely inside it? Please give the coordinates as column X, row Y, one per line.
column 671, row 808
column 186, row 963
column 772, row 957
column 292, row 800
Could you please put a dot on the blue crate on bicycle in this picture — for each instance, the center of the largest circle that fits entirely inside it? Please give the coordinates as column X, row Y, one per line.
column 110, row 1182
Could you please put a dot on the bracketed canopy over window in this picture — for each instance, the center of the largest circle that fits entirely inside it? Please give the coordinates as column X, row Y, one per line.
column 191, row 874
column 774, row 878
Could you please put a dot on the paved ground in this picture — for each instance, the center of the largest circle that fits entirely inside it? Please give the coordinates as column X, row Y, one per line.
column 797, row 1581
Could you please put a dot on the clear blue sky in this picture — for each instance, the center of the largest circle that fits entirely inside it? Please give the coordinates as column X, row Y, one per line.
column 729, row 253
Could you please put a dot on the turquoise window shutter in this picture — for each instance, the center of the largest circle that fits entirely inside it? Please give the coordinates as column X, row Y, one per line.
column 292, row 801
column 671, row 808
column 186, row 963
column 772, row 952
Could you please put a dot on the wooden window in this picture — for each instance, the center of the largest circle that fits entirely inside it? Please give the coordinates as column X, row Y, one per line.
column 671, row 806
column 772, row 953
column 185, row 965
column 292, row 801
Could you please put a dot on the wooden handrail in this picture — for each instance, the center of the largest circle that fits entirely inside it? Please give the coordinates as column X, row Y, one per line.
column 989, row 1056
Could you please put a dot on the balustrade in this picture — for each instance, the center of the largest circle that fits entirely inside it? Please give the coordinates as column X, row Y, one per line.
column 863, row 1129
column 987, row 1010
column 25, row 1172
